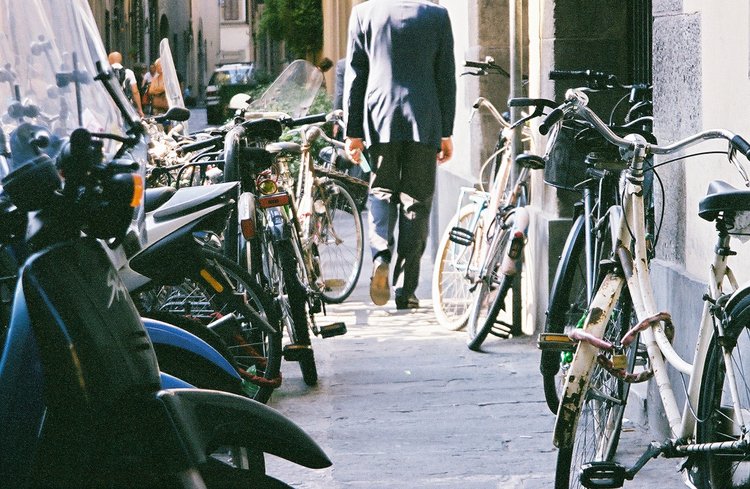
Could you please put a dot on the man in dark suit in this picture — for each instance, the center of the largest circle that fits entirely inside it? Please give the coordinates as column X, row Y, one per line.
column 400, row 96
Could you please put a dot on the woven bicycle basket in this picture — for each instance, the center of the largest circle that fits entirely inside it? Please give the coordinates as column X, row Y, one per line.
column 565, row 163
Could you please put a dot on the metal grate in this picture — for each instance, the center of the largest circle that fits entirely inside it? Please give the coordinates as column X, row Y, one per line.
column 639, row 11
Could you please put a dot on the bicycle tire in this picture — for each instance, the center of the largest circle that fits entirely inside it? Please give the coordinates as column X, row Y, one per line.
column 336, row 241
column 568, row 302
column 452, row 293
column 595, row 428
column 484, row 310
column 716, row 422
column 252, row 349
column 293, row 303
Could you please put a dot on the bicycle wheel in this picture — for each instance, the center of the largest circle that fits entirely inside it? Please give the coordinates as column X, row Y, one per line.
column 492, row 290
column 568, row 302
column 245, row 332
column 293, row 308
column 336, row 241
column 597, row 426
column 718, row 417
column 455, row 265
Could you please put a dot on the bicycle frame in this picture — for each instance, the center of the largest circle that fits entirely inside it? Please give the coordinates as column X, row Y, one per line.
column 630, row 232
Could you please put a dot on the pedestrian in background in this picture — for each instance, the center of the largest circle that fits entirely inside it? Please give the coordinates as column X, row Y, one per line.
column 400, row 97
column 145, row 83
column 157, row 91
column 127, row 80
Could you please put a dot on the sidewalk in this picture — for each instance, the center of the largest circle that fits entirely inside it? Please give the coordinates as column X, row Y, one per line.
column 402, row 403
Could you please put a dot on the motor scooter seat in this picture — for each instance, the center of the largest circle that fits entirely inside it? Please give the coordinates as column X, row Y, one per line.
column 187, row 200
column 153, row 198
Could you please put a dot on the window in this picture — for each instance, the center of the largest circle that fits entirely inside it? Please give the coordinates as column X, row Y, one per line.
column 233, row 10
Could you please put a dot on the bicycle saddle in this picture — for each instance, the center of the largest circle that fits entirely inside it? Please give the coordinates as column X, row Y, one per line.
column 532, row 162
column 721, row 198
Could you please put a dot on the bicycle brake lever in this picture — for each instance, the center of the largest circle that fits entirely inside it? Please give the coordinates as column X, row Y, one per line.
column 738, row 164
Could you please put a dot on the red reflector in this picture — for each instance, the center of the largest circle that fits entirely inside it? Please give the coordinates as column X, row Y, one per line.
column 248, row 228
column 275, row 200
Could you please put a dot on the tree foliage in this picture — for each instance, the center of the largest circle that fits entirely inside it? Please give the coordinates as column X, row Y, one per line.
column 299, row 23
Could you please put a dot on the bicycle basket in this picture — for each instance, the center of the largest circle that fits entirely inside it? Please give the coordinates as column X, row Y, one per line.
column 565, row 163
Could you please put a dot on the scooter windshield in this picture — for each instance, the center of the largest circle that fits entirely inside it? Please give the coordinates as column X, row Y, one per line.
column 50, row 54
column 171, row 80
column 292, row 92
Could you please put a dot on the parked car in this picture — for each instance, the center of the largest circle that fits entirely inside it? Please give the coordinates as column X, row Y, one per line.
column 227, row 81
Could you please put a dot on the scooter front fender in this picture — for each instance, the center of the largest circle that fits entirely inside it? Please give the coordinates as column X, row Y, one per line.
column 212, row 418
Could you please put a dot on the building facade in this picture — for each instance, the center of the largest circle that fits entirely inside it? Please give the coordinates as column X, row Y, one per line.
column 135, row 28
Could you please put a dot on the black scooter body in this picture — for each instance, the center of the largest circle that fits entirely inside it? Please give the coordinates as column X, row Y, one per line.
column 107, row 421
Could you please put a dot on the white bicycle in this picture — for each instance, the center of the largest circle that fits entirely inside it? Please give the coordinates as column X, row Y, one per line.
column 712, row 430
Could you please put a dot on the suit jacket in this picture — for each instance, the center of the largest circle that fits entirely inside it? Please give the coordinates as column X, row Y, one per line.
column 400, row 82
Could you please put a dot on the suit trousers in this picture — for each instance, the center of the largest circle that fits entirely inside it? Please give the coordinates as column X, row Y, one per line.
column 401, row 188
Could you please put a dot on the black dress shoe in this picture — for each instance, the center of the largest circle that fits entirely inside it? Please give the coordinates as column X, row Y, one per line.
column 407, row 302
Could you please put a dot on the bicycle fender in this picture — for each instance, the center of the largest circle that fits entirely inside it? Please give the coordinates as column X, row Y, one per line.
column 738, row 305
column 166, row 334
column 222, row 419
column 616, row 216
column 520, row 220
column 577, row 377
column 512, row 260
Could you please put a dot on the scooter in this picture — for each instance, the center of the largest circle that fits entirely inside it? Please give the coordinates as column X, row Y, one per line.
column 83, row 403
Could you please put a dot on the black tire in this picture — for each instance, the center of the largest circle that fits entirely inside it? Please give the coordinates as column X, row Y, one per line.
column 715, row 421
column 337, row 241
column 488, row 301
column 294, row 310
column 600, row 417
column 252, row 347
column 568, row 303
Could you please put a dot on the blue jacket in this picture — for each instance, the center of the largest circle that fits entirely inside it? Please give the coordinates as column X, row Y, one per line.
column 400, row 82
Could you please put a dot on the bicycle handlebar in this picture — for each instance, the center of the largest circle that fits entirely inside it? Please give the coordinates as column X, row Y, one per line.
column 310, row 119
column 483, row 102
column 485, row 66
column 576, row 101
column 205, row 143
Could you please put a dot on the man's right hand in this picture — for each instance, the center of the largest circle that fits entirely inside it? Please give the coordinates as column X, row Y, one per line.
column 354, row 148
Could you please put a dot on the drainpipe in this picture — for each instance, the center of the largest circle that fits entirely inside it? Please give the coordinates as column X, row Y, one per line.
column 515, row 18
column 516, row 68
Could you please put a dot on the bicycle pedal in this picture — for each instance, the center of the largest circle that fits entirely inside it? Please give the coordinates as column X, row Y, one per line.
column 297, row 353
column 555, row 342
column 461, row 236
column 602, row 475
column 330, row 330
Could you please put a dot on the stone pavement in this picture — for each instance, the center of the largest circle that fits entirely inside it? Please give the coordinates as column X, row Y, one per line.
column 402, row 403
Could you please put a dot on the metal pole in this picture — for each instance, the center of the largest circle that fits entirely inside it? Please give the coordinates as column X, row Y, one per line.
column 515, row 18
column 516, row 69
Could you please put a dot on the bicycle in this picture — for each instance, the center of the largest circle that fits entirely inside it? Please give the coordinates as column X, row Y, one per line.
column 711, row 430
column 328, row 219
column 577, row 161
column 457, row 259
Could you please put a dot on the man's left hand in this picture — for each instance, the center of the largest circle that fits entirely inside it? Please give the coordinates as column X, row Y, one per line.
column 446, row 150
